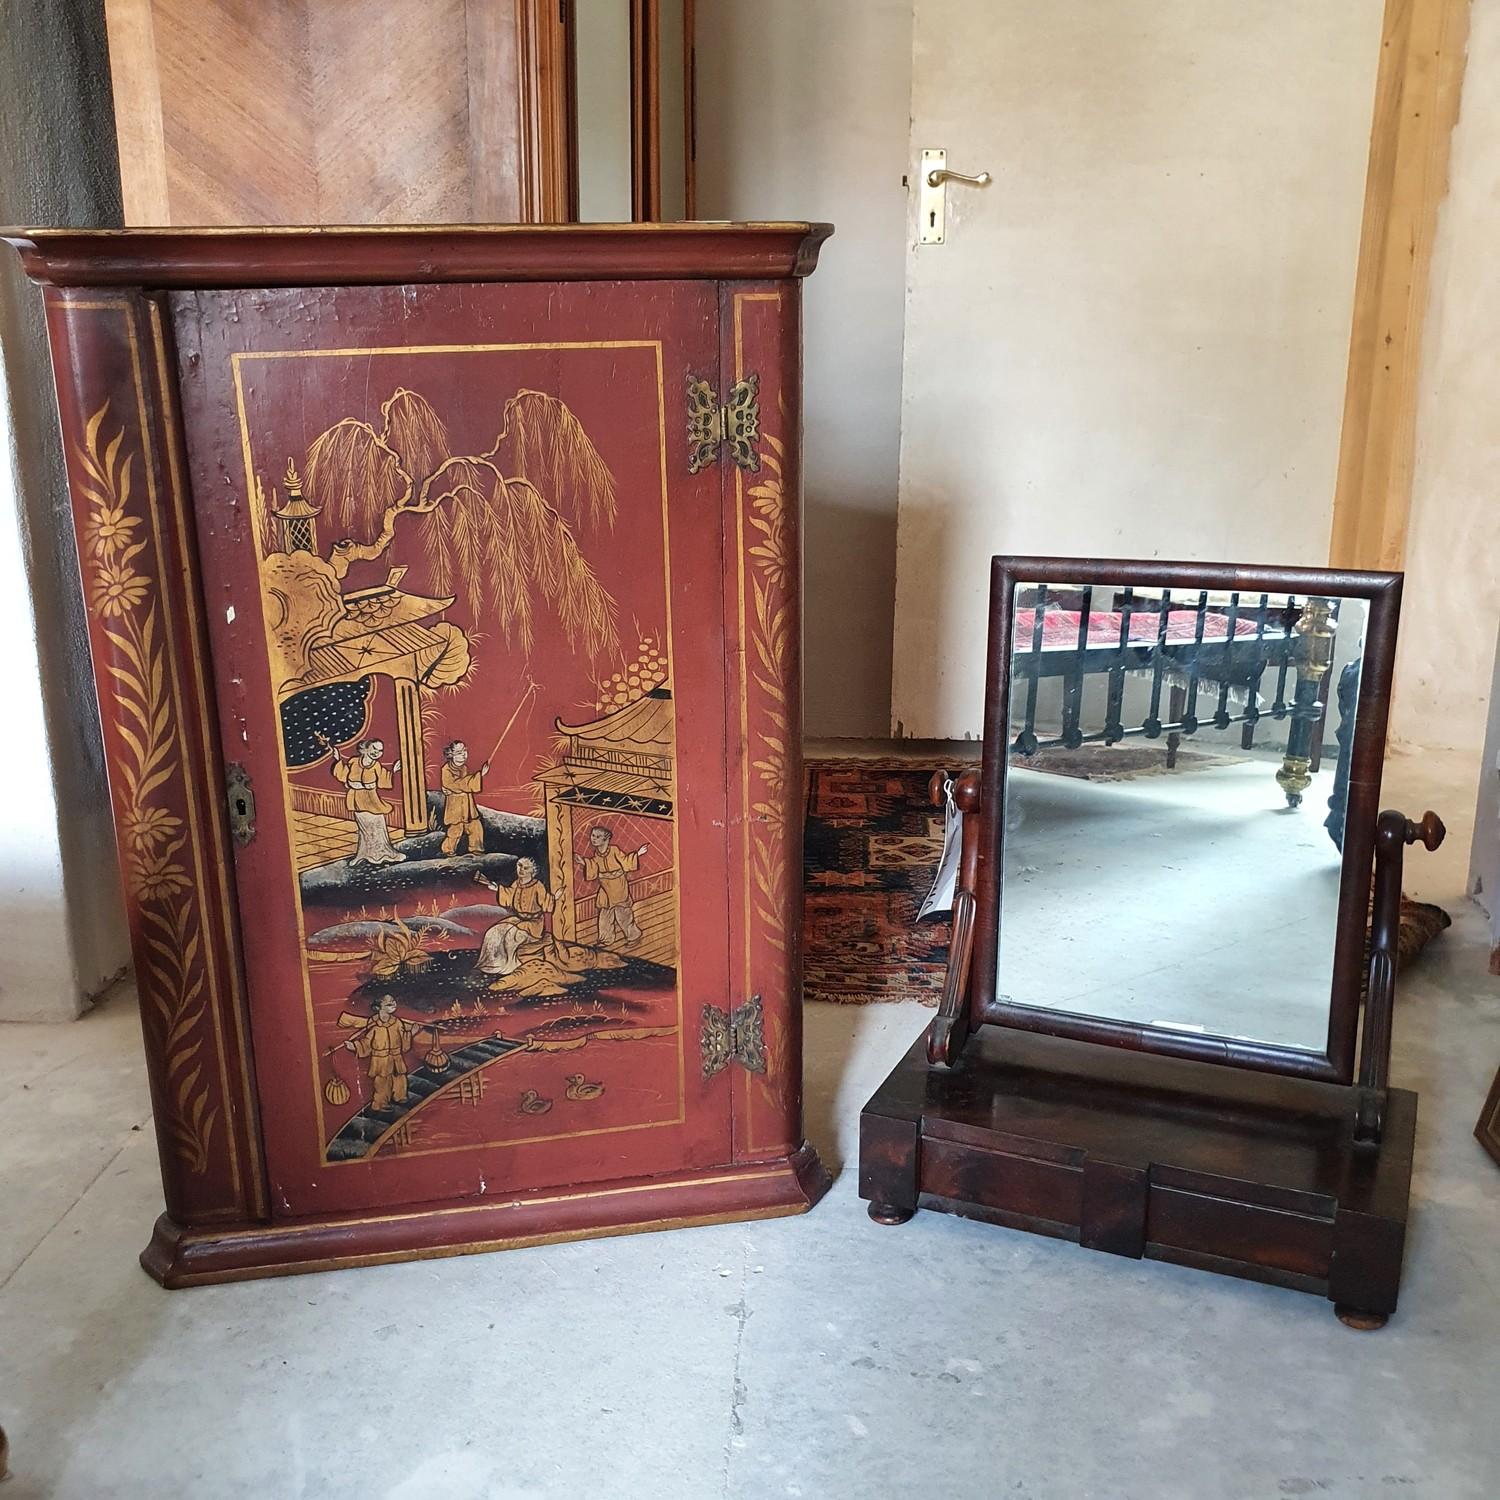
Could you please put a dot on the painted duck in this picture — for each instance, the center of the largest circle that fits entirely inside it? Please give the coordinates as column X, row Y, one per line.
column 579, row 1088
column 532, row 1103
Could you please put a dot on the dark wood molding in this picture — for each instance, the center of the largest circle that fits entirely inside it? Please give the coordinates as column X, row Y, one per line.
column 645, row 110
column 950, row 1028
column 361, row 255
column 1382, row 594
column 549, row 186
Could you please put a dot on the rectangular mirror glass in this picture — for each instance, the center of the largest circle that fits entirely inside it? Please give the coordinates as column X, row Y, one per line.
column 1174, row 806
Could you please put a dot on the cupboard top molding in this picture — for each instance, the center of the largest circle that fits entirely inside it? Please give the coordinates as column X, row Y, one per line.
column 375, row 255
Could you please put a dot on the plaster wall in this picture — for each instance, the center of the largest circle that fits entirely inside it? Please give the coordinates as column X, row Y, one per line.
column 1451, row 603
column 60, row 908
column 1134, row 342
column 803, row 113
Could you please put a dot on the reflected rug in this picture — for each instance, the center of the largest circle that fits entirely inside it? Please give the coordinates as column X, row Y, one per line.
column 872, row 843
column 1125, row 762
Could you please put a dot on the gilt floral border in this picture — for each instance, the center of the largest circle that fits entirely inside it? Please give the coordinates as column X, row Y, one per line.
column 772, row 669
column 772, row 785
column 135, row 688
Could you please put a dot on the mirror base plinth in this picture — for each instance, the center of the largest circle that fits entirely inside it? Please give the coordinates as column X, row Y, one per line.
column 1117, row 1151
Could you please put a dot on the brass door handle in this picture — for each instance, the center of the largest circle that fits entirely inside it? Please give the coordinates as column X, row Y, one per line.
column 932, row 196
column 939, row 175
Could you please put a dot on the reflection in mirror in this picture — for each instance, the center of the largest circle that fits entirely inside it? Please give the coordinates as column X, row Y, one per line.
column 674, row 102
column 1175, row 784
column 633, row 103
column 602, row 110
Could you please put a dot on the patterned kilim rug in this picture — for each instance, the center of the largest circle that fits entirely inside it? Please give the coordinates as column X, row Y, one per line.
column 872, row 846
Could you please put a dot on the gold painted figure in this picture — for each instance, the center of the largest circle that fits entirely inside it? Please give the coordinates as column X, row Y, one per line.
column 525, row 958
column 384, row 1043
column 526, row 903
column 364, row 779
column 460, row 811
column 612, row 869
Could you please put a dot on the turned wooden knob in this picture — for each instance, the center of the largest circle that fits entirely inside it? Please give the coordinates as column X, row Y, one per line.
column 1430, row 832
column 966, row 794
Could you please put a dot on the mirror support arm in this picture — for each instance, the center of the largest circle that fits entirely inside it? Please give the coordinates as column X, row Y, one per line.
column 952, row 1024
column 1393, row 831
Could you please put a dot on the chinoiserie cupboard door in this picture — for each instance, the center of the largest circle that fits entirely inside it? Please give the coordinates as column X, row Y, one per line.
column 467, row 621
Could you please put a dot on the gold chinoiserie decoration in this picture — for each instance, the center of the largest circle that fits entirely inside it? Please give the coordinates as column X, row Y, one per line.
column 770, row 655
column 153, row 835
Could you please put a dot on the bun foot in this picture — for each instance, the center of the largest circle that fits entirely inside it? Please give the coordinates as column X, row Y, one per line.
column 1352, row 1317
column 885, row 1213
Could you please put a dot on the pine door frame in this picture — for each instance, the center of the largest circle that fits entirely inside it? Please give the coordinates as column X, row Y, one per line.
column 1417, row 91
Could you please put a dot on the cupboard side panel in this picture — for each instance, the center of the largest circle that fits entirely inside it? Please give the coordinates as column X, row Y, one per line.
column 761, row 336
column 117, row 402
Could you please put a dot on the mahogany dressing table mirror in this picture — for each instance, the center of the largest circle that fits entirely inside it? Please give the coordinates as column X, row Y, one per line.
column 1165, row 1029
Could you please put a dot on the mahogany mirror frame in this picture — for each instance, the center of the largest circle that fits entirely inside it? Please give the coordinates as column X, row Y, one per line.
column 1381, row 592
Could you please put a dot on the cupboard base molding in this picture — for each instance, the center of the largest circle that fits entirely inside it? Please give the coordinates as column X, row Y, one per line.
column 183, row 1257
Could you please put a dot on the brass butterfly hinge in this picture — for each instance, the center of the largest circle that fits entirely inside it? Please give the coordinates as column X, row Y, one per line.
column 734, row 1036
column 735, row 424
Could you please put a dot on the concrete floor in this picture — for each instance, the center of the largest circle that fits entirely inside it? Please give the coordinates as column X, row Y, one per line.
column 1170, row 898
column 812, row 1357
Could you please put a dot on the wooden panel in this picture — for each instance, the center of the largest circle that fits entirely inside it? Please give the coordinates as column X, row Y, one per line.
column 122, row 434
column 494, row 53
column 1123, row 1153
column 566, row 751
column 1112, row 1215
column 888, row 1161
column 996, row 1179
column 294, row 112
column 1239, row 1231
column 1416, row 104
column 760, row 336
column 138, row 121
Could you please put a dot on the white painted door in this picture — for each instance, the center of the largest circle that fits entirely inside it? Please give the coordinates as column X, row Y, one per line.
column 1133, row 342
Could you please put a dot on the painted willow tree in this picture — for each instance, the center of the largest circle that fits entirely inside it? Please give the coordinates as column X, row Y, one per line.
column 500, row 531
column 499, row 528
